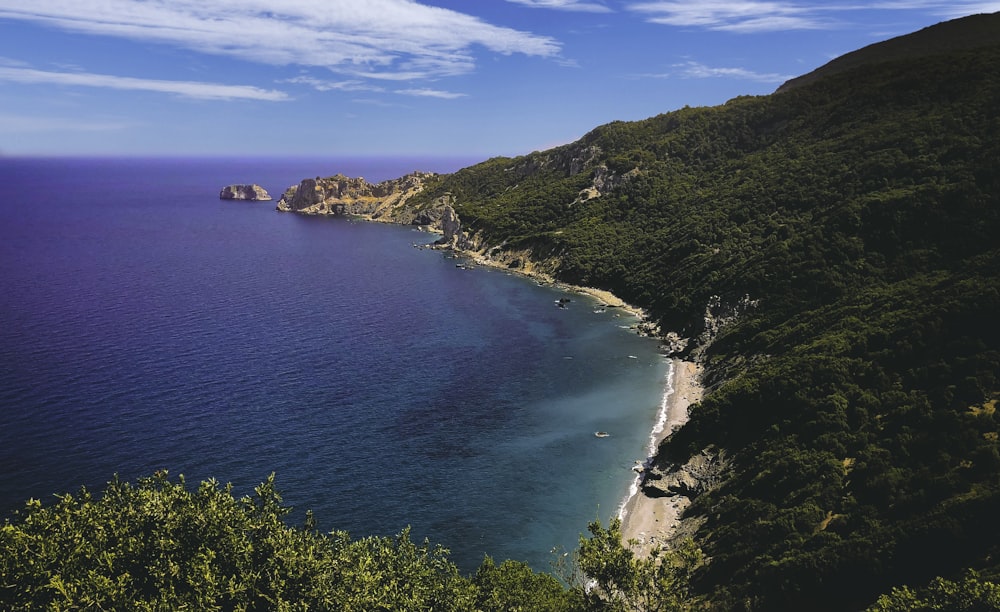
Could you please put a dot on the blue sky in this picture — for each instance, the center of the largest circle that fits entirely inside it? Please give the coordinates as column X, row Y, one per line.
column 399, row 77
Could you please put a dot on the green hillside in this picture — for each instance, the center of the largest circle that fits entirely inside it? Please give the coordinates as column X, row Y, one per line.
column 956, row 35
column 851, row 224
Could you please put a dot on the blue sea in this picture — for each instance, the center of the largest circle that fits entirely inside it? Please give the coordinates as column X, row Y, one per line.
column 145, row 324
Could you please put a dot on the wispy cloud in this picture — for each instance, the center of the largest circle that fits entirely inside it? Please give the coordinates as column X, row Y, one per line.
column 20, row 124
column 324, row 85
column 362, row 37
column 7, row 61
column 695, row 70
column 565, row 5
column 958, row 8
column 750, row 16
column 745, row 16
column 431, row 93
column 189, row 89
column 377, row 103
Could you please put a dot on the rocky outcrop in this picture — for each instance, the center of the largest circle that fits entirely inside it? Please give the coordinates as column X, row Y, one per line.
column 244, row 192
column 342, row 195
column 700, row 473
column 451, row 227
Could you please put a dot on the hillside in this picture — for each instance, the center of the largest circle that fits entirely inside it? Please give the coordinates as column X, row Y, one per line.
column 956, row 35
column 848, row 227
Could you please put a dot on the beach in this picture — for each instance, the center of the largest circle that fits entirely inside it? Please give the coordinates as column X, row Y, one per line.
column 647, row 522
column 650, row 522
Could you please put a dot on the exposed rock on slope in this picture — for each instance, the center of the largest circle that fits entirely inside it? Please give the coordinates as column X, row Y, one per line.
column 342, row 195
column 244, row 192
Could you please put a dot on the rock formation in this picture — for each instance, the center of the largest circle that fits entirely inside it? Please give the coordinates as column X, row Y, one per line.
column 700, row 473
column 342, row 195
column 244, row 192
column 451, row 227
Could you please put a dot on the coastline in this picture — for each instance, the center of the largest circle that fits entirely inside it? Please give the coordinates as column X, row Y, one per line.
column 606, row 297
column 648, row 522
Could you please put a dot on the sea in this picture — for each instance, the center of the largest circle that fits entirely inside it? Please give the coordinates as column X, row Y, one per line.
column 147, row 325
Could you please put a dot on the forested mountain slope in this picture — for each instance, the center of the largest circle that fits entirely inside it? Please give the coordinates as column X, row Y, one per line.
column 852, row 225
column 956, row 35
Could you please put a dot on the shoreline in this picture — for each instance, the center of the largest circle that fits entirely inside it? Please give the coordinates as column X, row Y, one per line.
column 479, row 258
column 648, row 522
column 609, row 299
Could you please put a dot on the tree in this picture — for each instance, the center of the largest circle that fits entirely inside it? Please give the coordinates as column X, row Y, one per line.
column 970, row 594
column 157, row 545
column 620, row 580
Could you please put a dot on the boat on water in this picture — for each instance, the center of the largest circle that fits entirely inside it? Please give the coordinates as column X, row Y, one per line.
column 601, row 434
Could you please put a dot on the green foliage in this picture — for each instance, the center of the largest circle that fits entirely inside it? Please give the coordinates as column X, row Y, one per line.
column 624, row 581
column 514, row 587
column 158, row 546
column 971, row 594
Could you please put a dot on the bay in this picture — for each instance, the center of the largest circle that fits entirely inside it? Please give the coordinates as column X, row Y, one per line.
column 145, row 325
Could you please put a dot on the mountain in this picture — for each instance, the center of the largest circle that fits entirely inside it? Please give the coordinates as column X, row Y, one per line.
column 845, row 228
column 956, row 35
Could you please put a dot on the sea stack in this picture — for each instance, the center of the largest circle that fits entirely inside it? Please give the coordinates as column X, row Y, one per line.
column 244, row 192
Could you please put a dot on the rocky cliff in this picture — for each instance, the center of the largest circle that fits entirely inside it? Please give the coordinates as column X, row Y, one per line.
column 342, row 195
column 244, row 192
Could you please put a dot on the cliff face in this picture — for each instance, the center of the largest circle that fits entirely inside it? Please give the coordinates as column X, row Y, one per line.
column 244, row 192
column 342, row 195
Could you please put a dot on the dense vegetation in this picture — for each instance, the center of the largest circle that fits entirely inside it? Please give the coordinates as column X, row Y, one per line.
column 157, row 545
column 850, row 222
column 859, row 215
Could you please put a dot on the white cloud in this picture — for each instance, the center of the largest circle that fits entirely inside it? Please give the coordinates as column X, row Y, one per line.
column 6, row 61
column 749, row 16
column 431, row 93
column 322, row 85
column 696, row 70
column 363, row 37
column 378, row 103
column 958, row 8
column 189, row 89
column 742, row 16
column 565, row 5
column 19, row 124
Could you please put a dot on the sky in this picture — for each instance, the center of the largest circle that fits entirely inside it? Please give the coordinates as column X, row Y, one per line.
column 400, row 77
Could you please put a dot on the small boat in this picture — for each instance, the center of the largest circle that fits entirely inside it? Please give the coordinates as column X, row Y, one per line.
column 601, row 434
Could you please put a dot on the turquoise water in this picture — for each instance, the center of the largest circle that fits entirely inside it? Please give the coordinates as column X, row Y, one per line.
column 145, row 324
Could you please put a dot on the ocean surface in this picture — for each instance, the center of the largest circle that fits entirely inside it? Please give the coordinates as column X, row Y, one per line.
column 145, row 324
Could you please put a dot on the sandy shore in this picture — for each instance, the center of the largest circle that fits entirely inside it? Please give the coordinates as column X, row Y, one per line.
column 648, row 521
column 651, row 521
column 606, row 297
